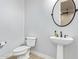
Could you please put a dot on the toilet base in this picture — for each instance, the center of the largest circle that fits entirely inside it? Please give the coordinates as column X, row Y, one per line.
column 24, row 56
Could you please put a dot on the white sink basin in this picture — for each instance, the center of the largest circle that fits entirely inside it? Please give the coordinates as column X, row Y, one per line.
column 61, row 40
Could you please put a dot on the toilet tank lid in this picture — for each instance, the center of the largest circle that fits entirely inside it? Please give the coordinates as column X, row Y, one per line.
column 31, row 38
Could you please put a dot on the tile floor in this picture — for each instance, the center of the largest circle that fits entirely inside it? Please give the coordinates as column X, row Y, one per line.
column 33, row 56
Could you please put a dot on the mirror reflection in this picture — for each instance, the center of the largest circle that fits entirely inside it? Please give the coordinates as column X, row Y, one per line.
column 63, row 12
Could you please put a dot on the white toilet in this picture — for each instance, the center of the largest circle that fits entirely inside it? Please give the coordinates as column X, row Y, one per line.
column 23, row 52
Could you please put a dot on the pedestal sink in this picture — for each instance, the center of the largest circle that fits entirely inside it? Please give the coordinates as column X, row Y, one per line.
column 60, row 41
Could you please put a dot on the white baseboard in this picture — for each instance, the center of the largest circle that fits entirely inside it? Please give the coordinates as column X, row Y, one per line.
column 42, row 55
column 3, row 58
column 7, row 55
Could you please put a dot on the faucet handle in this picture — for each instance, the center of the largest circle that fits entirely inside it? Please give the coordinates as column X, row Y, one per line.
column 65, row 36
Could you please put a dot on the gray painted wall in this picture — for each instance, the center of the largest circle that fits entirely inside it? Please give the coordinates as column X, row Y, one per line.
column 11, row 24
column 39, row 23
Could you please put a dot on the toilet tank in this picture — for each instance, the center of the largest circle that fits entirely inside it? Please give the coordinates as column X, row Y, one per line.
column 30, row 41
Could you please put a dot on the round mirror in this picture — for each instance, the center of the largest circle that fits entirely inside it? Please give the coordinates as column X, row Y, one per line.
column 63, row 12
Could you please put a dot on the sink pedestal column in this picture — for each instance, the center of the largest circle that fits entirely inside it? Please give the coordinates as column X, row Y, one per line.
column 59, row 51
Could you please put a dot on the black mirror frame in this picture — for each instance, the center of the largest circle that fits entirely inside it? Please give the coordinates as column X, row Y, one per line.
column 71, row 19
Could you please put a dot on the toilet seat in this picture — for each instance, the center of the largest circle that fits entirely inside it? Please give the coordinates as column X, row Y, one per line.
column 21, row 50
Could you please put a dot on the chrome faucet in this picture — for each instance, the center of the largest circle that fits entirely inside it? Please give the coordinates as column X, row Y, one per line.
column 61, row 34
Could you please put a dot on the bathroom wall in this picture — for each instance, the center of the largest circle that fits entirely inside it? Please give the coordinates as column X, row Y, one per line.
column 39, row 23
column 11, row 24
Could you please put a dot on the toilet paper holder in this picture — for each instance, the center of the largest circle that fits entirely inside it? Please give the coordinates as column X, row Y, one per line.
column 2, row 44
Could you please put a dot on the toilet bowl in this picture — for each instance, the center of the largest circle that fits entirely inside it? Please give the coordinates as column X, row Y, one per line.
column 23, row 52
